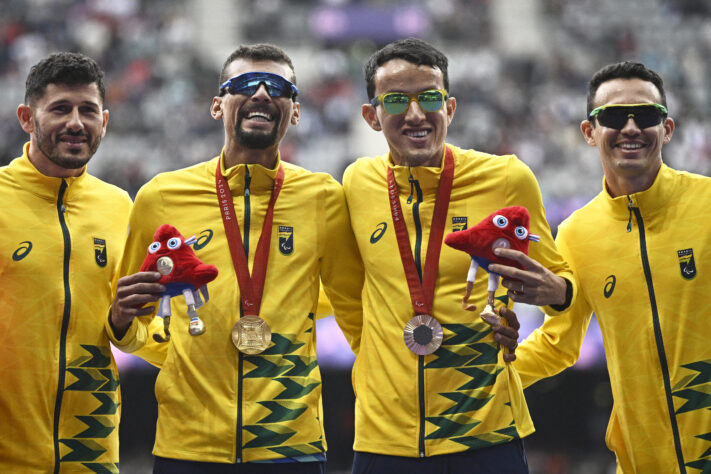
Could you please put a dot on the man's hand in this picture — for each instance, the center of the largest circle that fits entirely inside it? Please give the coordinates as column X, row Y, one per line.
column 132, row 293
column 535, row 285
column 507, row 335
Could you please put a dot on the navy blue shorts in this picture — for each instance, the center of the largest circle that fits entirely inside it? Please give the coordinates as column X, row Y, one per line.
column 506, row 458
column 178, row 466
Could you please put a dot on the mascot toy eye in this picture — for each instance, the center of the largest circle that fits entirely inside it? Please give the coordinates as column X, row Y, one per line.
column 182, row 272
column 506, row 228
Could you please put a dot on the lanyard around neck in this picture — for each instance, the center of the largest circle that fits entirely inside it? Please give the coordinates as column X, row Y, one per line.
column 422, row 292
column 250, row 287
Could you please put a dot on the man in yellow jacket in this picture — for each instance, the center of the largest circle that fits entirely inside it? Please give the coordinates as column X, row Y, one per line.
column 63, row 233
column 639, row 251
column 433, row 390
column 244, row 396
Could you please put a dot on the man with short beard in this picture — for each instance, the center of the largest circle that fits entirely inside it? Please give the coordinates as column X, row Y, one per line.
column 233, row 399
column 63, row 233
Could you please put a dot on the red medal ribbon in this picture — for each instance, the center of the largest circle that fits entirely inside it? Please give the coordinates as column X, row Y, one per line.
column 251, row 288
column 422, row 292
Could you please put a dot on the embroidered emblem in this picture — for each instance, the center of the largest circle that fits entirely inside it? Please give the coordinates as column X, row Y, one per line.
column 22, row 250
column 286, row 240
column 378, row 232
column 459, row 223
column 687, row 263
column 100, row 252
column 609, row 286
column 203, row 239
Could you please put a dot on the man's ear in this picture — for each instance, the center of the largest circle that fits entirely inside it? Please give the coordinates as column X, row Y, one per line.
column 26, row 118
column 587, row 128
column 371, row 117
column 451, row 105
column 668, row 129
column 216, row 108
column 295, row 114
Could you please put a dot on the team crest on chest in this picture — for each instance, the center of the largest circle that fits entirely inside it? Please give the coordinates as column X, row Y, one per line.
column 100, row 252
column 286, row 240
column 687, row 263
column 459, row 223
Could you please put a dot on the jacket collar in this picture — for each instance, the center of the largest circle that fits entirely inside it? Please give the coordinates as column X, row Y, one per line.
column 650, row 201
column 426, row 176
column 261, row 178
column 46, row 187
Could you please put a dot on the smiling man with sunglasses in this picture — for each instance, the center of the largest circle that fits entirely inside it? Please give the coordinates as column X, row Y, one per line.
column 451, row 403
column 641, row 252
column 245, row 396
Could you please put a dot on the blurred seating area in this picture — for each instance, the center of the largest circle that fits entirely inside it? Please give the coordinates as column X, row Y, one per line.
column 518, row 69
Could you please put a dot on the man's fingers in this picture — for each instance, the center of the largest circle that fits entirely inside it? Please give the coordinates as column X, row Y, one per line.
column 140, row 288
column 140, row 277
column 511, row 318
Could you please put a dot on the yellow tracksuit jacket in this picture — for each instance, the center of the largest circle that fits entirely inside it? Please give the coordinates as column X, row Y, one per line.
column 463, row 396
column 60, row 399
column 642, row 263
column 214, row 403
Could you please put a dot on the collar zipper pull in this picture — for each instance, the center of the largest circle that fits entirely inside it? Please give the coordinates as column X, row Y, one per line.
column 629, row 221
column 412, row 188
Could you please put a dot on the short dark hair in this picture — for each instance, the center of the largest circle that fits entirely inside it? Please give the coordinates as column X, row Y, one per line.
column 258, row 52
column 412, row 50
column 63, row 68
column 624, row 70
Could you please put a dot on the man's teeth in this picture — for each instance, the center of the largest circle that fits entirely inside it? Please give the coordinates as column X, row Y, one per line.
column 417, row 133
column 631, row 146
column 263, row 115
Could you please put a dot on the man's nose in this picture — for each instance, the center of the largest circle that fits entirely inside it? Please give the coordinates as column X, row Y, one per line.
column 75, row 122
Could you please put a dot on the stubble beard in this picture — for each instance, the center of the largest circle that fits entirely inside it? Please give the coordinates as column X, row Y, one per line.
column 49, row 148
column 257, row 140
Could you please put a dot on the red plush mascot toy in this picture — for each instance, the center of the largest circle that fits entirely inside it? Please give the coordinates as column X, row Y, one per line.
column 182, row 273
column 506, row 228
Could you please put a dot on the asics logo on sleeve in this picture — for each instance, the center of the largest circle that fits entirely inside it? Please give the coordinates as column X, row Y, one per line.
column 203, row 239
column 378, row 232
column 609, row 286
column 22, row 250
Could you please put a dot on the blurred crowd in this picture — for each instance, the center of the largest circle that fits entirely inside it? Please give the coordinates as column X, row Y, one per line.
column 518, row 68
column 519, row 73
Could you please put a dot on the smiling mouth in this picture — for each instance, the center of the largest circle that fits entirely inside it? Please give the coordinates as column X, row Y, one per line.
column 631, row 146
column 417, row 133
column 259, row 116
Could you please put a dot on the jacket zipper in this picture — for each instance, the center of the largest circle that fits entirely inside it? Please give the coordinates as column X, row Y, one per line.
column 415, row 185
column 245, row 240
column 65, row 321
column 658, row 335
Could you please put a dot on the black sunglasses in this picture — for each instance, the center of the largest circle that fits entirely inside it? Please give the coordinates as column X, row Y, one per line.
column 616, row 115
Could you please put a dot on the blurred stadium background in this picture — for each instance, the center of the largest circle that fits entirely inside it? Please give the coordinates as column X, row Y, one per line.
column 518, row 69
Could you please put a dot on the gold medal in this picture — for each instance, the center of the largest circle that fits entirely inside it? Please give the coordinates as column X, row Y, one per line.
column 251, row 335
column 423, row 334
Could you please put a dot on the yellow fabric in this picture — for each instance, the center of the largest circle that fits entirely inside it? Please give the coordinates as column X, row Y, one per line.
column 215, row 404
column 676, row 216
column 471, row 398
column 52, row 333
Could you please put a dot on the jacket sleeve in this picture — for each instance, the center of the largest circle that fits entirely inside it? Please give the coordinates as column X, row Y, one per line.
column 555, row 345
column 523, row 190
column 341, row 266
column 138, row 339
